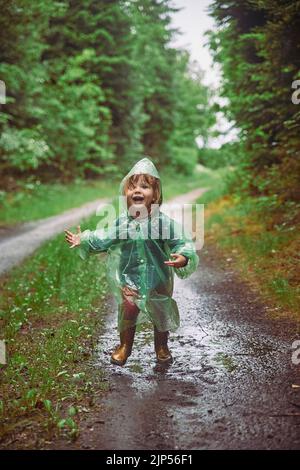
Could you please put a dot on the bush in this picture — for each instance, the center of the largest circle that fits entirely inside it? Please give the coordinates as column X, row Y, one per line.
column 23, row 149
column 228, row 154
column 184, row 159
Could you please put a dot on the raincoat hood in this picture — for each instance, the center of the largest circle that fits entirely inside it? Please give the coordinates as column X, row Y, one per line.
column 143, row 167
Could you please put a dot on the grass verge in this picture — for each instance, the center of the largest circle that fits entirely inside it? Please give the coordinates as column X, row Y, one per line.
column 36, row 201
column 51, row 312
column 265, row 254
column 51, row 315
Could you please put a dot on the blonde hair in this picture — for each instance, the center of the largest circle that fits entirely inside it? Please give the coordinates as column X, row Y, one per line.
column 154, row 182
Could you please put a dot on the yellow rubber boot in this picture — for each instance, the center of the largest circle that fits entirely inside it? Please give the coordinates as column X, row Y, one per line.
column 123, row 351
column 163, row 354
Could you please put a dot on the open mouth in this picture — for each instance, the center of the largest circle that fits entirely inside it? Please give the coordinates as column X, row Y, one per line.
column 138, row 199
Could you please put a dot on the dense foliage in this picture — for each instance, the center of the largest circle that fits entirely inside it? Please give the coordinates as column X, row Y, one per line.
column 91, row 85
column 257, row 45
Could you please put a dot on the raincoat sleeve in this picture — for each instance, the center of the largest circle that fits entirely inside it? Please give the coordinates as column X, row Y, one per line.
column 182, row 243
column 97, row 241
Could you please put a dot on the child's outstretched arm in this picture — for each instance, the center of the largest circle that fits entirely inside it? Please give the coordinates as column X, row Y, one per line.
column 97, row 241
column 73, row 238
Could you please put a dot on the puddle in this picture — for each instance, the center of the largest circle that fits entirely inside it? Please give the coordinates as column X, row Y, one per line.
column 215, row 394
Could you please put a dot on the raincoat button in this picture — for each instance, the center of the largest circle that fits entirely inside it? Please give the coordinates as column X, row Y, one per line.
column 142, row 260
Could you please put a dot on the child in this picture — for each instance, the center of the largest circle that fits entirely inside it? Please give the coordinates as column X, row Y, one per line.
column 139, row 271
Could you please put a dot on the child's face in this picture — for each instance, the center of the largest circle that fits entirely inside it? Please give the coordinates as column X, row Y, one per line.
column 140, row 194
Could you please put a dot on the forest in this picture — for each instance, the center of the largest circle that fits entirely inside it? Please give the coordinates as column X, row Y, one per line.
column 93, row 84
column 257, row 45
column 88, row 88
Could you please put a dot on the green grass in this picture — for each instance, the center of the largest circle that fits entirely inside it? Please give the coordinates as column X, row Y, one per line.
column 265, row 254
column 37, row 201
column 51, row 315
column 51, row 307
column 216, row 181
column 174, row 184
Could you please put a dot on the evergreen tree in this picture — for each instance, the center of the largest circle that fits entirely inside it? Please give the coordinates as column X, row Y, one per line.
column 257, row 45
column 94, row 84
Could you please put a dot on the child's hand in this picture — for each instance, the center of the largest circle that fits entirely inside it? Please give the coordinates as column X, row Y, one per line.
column 73, row 238
column 130, row 291
column 179, row 262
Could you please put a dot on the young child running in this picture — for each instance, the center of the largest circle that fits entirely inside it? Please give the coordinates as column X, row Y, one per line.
column 140, row 273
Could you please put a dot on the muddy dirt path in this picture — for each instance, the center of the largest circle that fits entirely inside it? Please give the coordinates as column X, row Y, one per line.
column 18, row 242
column 230, row 385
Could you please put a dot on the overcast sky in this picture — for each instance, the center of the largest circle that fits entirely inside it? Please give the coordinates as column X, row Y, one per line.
column 193, row 20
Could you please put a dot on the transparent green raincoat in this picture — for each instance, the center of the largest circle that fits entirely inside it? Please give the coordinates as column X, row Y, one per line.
column 137, row 249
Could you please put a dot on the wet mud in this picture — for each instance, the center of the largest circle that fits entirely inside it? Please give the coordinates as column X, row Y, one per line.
column 231, row 384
